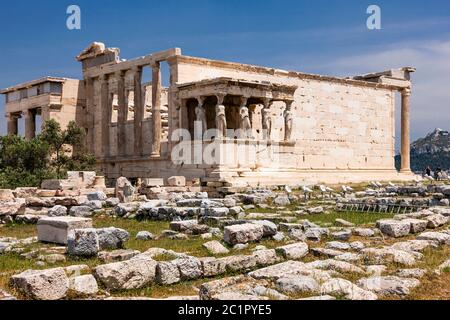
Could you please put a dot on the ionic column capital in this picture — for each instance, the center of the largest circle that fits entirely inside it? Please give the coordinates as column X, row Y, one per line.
column 406, row 92
column 103, row 78
column 12, row 116
column 28, row 113
column 120, row 73
column 136, row 69
column 155, row 65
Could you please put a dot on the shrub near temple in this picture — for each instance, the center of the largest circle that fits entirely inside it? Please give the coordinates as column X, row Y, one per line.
column 25, row 163
column 66, row 147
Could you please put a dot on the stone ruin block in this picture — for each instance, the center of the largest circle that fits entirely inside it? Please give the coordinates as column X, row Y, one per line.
column 177, row 181
column 56, row 229
column 83, row 179
column 25, row 192
column 57, row 184
column 125, row 191
column 6, row 194
column 182, row 226
column 152, row 182
column 243, row 233
column 50, row 284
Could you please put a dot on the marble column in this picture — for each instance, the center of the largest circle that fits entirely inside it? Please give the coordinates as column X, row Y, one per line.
column 138, row 111
column 405, row 135
column 30, row 124
column 12, row 124
column 156, row 110
column 90, row 110
column 106, row 114
column 122, row 114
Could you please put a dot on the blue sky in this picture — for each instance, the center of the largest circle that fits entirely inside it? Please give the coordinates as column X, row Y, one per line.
column 322, row 36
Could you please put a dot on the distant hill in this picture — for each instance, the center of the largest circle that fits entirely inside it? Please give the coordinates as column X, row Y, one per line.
column 433, row 151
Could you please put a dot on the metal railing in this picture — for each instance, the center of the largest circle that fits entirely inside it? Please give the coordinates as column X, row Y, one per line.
column 365, row 207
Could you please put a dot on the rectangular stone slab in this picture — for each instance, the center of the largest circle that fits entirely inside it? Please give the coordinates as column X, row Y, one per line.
column 55, row 230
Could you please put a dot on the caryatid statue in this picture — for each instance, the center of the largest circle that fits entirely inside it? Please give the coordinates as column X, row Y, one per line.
column 245, row 123
column 221, row 119
column 288, row 121
column 267, row 120
column 200, row 113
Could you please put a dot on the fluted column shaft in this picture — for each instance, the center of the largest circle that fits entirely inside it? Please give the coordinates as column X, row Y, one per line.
column 405, row 135
column 90, row 111
column 156, row 110
column 12, row 125
column 30, row 124
column 138, row 111
column 106, row 114
column 122, row 113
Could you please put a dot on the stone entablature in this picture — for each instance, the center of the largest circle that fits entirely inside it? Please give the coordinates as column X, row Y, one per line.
column 245, row 88
column 248, row 93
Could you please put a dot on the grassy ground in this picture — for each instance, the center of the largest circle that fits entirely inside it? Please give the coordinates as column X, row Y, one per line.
column 193, row 246
column 356, row 218
column 19, row 231
column 432, row 287
column 11, row 264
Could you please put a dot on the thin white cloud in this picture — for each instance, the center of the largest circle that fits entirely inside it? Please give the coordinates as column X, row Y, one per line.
column 431, row 94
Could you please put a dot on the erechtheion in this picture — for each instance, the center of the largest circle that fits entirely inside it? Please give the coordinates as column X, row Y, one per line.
column 294, row 127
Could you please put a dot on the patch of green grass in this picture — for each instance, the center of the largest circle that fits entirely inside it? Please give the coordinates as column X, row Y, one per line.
column 358, row 218
column 433, row 286
column 192, row 246
column 186, row 288
column 18, row 230
column 262, row 210
column 434, row 257
column 11, row 264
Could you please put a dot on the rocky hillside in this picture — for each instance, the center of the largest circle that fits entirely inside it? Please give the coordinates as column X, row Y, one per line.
column 432, row 150
column 435, row 142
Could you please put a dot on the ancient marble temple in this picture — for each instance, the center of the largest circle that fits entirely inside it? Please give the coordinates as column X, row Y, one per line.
column 292, row 128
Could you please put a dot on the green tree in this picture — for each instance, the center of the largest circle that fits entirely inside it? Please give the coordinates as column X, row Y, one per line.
column 25, row 163
column 66, row 147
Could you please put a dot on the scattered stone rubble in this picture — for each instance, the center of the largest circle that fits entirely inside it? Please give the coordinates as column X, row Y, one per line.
column 335, row 253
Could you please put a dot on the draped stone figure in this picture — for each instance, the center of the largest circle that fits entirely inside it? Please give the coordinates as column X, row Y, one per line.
column 288, row 123
column 266, row 123
column 221, row 121
column 201, row 117
column 246, row 125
